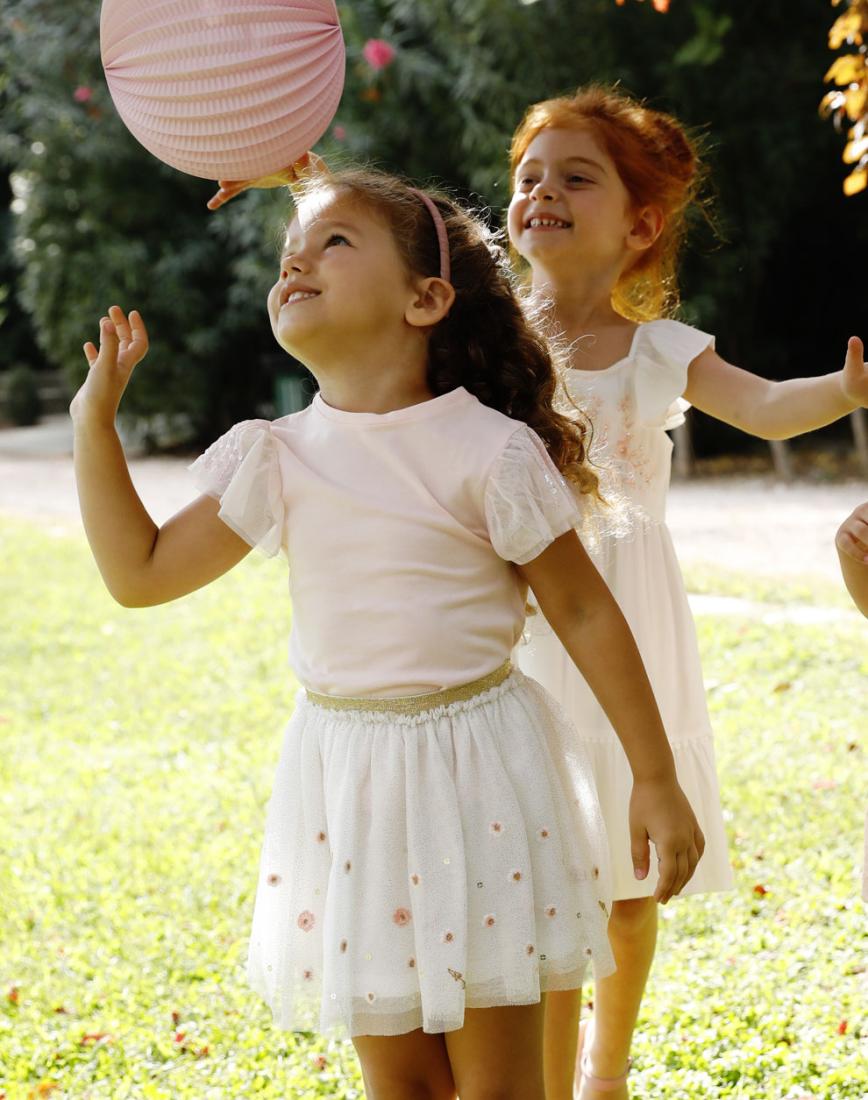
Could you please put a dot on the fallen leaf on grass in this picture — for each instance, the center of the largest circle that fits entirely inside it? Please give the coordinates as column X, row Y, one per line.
column 842, row 1027
column 760, row 890
column 96, row 1037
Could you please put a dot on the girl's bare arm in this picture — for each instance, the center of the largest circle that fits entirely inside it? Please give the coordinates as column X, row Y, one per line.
column 142, row 564
column 583, row 613
column 777, row 410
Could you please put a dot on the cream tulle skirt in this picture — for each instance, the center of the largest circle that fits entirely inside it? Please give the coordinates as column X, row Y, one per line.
column 422, row 862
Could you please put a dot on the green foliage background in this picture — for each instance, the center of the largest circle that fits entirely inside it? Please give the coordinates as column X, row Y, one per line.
column 137, row 750
column 101, row 221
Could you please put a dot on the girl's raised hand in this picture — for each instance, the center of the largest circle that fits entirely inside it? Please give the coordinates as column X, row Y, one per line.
column 660, row 814
column 854, row 379
column 123, row 342
column 310, row 162
column 852, row 536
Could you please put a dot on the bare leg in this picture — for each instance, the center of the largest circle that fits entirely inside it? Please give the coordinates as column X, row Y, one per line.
column 414, row 1066
column 633, row 935
column 559, row 1042
column 498, row 1054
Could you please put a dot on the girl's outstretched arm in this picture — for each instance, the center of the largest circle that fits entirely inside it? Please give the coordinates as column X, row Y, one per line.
column 777, row 410
column 141, row 564
column 852, row 545
column 583, row 613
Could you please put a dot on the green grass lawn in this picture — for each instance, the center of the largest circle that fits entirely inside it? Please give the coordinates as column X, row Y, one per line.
column 136, row 755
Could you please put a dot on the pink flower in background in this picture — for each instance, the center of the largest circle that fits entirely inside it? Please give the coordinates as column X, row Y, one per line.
column 378, row 53
column 339, row 133
column 82, row 94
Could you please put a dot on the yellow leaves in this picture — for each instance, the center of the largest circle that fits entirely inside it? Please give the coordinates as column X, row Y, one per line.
column 850, row 73
column 847, row 28
column 856, row 181
column 855, row 150
column 846, row 69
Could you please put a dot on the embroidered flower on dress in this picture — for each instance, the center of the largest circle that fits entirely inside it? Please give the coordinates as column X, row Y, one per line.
column 348, row 866
column 415, row 878
column 370, row 997
column 515, row 876
column 273, row 879
column 321, row 837
column 495, row 828
column 529, row 950
column 343, row 947
column 543, row 834
column 448, row 937
column 596, row 872
column 411, row 962
column 402, row 917
column 306, row 920
column 458, row 977
column 307, row 975
column 551, row 911
column 488, row 920
column 602, row 905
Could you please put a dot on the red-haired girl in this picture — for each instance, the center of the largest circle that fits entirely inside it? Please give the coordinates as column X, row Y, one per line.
column 600, row 189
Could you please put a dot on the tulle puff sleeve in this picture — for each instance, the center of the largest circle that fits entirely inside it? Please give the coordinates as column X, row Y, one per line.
column 665, row 350
column 527, row 502
column 242, row 470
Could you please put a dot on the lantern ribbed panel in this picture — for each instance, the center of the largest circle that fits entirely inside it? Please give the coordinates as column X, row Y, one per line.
column 224, row 89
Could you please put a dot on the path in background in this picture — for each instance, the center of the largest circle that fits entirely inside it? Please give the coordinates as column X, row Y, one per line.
column 750, row 524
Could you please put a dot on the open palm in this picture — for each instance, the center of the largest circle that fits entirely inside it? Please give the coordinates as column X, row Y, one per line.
column 123, row 342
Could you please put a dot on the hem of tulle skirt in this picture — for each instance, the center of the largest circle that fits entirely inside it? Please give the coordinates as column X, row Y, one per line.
column 355, row 1017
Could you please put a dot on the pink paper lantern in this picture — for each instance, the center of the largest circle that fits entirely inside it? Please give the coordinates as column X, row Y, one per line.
column 224, row 89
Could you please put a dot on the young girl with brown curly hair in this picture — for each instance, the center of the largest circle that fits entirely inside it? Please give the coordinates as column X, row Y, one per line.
column 601, row 186
column 433, row 860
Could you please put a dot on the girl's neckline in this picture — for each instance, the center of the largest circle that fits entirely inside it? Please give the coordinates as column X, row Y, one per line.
column 435, row 406
column 618, row 362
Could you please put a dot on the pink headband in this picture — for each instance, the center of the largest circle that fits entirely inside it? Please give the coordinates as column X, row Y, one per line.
column 440, row 226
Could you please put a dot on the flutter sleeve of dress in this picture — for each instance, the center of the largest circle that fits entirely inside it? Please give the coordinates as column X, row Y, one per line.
column 242, row 471
column 665, row 349
column 528, row 504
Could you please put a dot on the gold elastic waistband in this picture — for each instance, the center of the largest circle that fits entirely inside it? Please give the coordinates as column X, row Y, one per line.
column 415, row 704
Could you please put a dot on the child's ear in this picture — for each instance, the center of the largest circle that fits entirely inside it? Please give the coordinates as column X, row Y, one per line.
column 431, row 299
column 646, row 227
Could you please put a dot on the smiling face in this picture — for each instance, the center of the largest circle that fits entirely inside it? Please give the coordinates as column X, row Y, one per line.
column 342, row 280
column 569, row 205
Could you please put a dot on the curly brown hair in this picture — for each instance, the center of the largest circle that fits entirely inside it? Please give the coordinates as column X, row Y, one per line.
column 486, row 343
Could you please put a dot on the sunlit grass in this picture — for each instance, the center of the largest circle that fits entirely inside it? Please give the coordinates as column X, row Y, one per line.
column 136, row 755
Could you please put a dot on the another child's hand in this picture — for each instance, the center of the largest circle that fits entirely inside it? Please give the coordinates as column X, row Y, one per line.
column 310, row 162
column 661, row 814
column 123, row 343
column 852, row 536
column 854, row 377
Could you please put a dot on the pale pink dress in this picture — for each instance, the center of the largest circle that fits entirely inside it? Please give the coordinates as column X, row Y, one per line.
column 414, row 865
column 631, row 405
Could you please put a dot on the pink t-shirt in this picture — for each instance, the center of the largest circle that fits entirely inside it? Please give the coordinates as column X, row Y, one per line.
column 400, row 529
